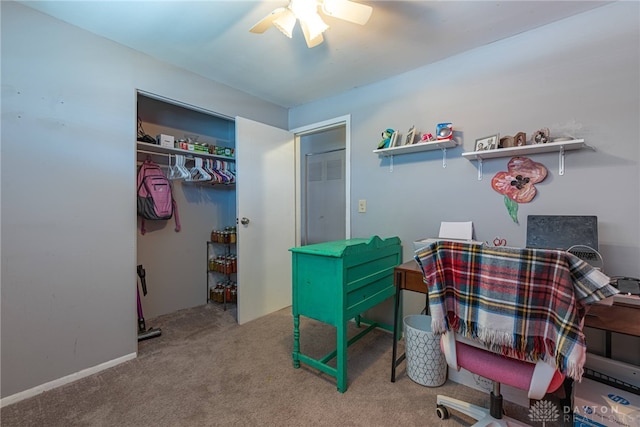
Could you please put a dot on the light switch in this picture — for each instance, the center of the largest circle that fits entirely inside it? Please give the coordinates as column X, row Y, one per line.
column 362, row 206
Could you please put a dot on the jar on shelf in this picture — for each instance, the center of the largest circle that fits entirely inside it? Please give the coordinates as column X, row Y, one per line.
column 219, row 292
column 234, row 292
column 227, row 292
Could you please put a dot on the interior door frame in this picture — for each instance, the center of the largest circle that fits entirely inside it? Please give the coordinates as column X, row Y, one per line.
column 314, row 128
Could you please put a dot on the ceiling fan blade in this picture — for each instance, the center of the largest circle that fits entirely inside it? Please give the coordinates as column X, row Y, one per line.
column 347, row 10
column 266, row 22
column 310, row 42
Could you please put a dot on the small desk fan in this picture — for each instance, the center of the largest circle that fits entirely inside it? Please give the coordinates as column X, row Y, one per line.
column 588, row 254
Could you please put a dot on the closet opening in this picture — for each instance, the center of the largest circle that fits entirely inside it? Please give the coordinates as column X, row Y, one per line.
column 178, row 265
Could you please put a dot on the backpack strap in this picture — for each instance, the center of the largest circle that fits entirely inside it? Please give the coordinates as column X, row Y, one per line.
column 143, row 230
column 177, row 217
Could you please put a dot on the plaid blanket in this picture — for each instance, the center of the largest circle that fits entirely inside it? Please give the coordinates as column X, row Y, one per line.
column 524, row 303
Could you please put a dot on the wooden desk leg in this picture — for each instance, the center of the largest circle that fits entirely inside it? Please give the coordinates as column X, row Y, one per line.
column 341, row 362
column 567, row 401
column 296, row 340
column 396, row 335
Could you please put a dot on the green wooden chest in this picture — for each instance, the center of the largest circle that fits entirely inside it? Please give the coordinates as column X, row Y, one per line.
column 335, row 282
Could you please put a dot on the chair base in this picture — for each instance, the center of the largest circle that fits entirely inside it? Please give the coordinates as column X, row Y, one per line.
column 482, row 415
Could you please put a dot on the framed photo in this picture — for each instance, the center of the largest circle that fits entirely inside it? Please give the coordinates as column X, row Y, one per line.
column 487, row 143
column 393, row 141
column 411, row 136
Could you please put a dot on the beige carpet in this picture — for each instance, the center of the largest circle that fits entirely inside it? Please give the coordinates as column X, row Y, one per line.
column 205, row 370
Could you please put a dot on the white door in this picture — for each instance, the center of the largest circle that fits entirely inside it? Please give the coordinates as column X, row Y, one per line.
column 265, row 208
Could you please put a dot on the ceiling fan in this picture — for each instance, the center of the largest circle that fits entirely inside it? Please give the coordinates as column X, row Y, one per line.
column 306, row 11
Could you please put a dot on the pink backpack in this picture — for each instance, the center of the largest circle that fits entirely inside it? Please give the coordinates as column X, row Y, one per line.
column 155, row 200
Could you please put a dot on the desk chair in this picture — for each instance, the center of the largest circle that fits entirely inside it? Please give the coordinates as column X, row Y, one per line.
column 538, row 378
column 511, row 315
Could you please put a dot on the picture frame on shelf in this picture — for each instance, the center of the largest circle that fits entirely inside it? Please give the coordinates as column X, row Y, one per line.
column 411, row 136
column 393, row 141
column 487, row 143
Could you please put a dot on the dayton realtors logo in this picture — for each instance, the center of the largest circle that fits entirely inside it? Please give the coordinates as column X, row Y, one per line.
column 545, row 411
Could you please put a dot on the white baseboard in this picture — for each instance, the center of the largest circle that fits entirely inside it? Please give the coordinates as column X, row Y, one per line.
column 14, row 398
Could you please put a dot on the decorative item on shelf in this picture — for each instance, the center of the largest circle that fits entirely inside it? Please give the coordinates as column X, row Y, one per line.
column 541, row 136
column 517, row 184
column 487, row 143
column 386, row 138
column 394, row 139
column 519, row 140
column 444, row 131
column 427, row 137
column 411, row 136
column 507, row 142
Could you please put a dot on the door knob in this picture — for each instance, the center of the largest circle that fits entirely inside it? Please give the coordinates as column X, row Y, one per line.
column 244, row 221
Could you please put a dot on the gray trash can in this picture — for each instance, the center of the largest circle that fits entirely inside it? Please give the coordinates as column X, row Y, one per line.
column 426, row 363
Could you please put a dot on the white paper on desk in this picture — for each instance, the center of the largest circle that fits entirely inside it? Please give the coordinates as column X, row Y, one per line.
column 456, row 230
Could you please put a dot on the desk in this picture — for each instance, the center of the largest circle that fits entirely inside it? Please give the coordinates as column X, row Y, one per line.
column 619, row 317
column 407, row 276
column 333, row 283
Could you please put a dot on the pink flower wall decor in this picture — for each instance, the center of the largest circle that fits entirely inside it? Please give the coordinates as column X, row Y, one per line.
column 517, row 184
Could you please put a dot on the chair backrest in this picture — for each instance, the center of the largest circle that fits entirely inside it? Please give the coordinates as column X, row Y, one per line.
column 525, row 304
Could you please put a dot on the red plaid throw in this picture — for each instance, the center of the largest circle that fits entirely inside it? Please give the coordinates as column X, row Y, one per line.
column 525, row 303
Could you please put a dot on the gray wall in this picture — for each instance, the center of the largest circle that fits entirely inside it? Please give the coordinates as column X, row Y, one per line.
column 68, row 188
column 578, row 76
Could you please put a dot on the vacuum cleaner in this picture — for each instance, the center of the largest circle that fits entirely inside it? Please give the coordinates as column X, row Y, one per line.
column 143, row 332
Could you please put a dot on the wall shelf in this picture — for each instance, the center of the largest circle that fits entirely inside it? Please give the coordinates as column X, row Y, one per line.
column 559, row 147
column 156, row 149
column 415, row 148
column 574, row 144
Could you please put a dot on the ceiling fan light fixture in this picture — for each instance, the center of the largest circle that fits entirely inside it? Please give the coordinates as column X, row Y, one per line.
column 285, row 23
column 347, row 10
column 315, row 25
column 307, row 12
column 311, row 42
column 303, row 8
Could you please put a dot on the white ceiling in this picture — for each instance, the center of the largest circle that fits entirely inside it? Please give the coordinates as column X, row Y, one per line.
column 212, row 39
